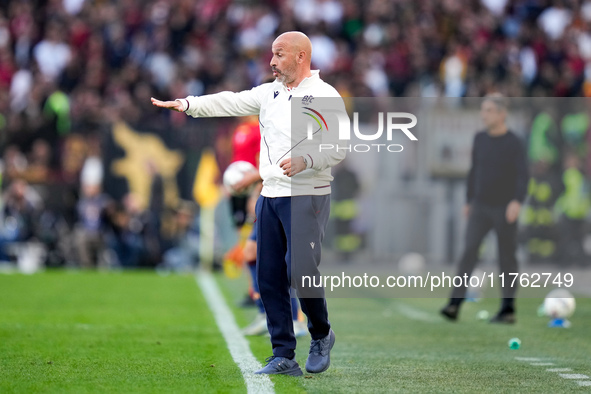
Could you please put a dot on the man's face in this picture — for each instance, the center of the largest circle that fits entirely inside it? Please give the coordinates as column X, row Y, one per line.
column 491, row 114
column 284, row 62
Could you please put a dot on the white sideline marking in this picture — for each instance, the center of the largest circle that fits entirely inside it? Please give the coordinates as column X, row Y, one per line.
column 586, row 383
column 542, row 364
column 416, row 314
column 528, row 359
column 573, row 376
column 237, row 344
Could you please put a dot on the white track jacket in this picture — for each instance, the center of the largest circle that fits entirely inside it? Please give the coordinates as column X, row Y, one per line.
column 273, row 102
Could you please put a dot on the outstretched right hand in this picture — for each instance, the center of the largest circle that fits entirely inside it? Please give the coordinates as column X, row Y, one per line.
column 174, row 105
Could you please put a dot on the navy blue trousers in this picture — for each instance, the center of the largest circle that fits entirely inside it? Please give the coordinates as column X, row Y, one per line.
column 288, row 246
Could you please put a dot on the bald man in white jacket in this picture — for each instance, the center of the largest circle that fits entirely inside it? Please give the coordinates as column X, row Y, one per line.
column 288, row 246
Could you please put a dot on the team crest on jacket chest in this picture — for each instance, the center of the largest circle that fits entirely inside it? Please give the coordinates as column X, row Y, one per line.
column 307, row 100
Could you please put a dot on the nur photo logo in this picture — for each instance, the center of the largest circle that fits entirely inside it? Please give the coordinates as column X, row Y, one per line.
column 388, row 123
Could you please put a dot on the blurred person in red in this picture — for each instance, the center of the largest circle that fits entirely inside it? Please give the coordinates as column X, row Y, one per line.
column 246, row 146
column 246, row 140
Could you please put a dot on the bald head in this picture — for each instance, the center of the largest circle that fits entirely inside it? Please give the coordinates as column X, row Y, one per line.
column 292, row 56
column 298, row 42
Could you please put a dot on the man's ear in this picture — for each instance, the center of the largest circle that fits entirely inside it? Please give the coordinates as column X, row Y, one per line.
column 301, row 56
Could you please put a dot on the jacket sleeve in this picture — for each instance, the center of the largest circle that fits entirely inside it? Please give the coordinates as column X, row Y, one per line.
column 247, row 102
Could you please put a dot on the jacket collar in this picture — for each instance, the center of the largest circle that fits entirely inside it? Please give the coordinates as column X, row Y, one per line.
column 315, row 77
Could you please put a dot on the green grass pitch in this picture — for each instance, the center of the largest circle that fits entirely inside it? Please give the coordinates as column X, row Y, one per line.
column 77, row 332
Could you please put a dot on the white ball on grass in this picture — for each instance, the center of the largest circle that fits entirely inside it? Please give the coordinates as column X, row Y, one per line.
column 559, row 304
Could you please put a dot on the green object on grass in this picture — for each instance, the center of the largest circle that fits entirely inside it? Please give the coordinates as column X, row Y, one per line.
column 514, row 343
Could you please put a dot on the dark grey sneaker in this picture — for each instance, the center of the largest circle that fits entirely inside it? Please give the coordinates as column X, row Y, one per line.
column 450, row 312
column 504, row 318
column 281, row 366
column 319, row 357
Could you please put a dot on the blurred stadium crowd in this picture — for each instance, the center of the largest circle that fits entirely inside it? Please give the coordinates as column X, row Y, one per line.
column 69, row 69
